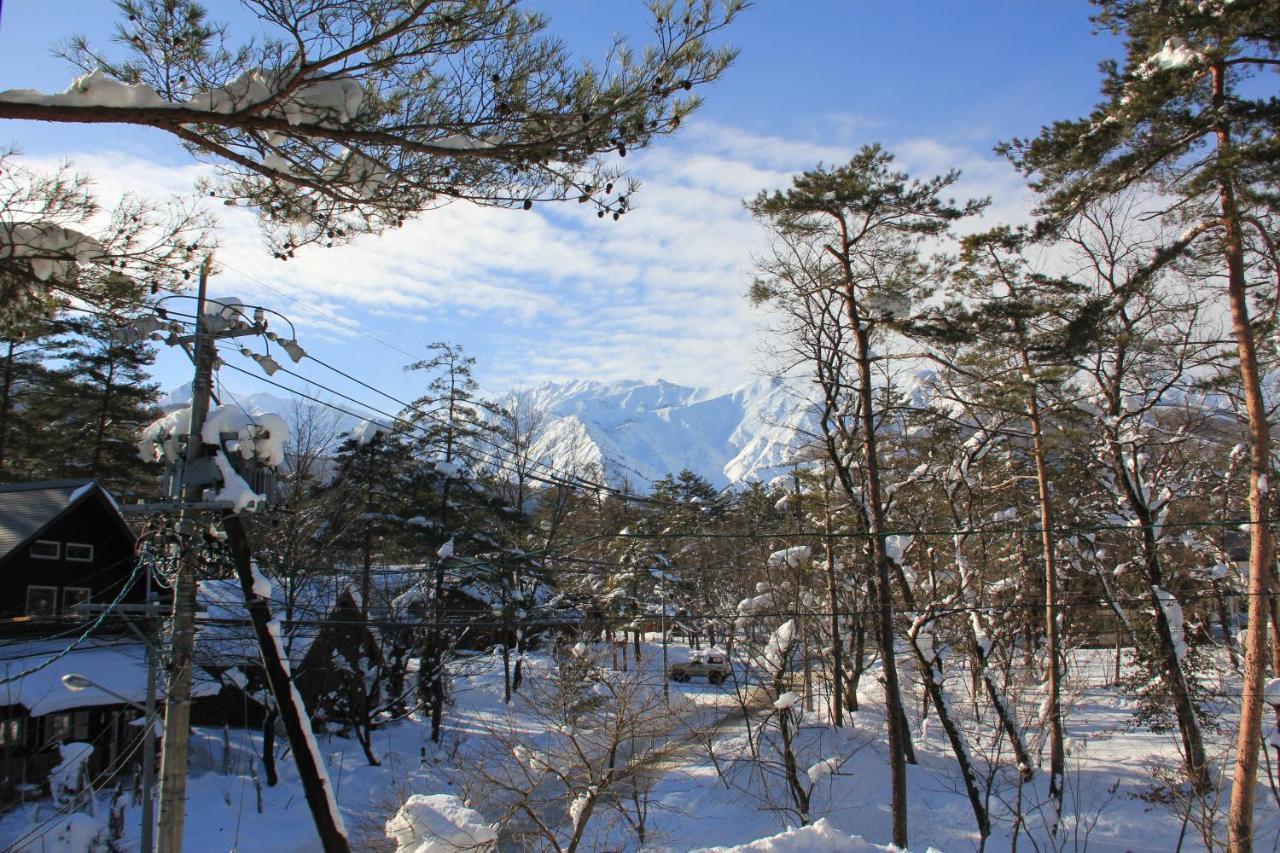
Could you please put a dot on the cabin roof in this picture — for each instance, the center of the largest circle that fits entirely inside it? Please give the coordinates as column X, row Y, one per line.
column 28, row 509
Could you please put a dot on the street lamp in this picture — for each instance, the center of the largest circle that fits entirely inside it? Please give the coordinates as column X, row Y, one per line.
column 75, row 683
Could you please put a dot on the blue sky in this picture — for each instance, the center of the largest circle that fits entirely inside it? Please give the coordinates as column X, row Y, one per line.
column 557, row 293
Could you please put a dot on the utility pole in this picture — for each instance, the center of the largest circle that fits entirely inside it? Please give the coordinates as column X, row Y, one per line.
column 177, row 709
column 196, row 471
column 149, row 740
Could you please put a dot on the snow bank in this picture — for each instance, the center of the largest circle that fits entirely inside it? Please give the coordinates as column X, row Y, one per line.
column 820, row 837
column 77, row 833
column 439, row 823
column 68, row 778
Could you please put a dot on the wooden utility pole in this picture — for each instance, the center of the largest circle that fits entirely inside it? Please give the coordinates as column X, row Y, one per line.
column 177, row 709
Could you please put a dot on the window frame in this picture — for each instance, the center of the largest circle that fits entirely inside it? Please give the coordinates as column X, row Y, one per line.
column 66, row 552
column 53, row 610
column 57, row 550
column 88, row 596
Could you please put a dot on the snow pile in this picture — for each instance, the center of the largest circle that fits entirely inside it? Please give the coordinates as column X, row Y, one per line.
column 820, row 837
column 792, row 558
column 330, row 101
column 160, row 439
column 225, row 311
column 259, row 437
column 577, row 807
column 895, row 546
column 822, row 769
column 234, row 488
column 882, row 303
column 1271, row 693
column 439, row 823
column 1175, row 53
column 94, row 89
column 52, row 251
column 779, row 645
column 364, row 174
column 70, row 776
column 786, row 700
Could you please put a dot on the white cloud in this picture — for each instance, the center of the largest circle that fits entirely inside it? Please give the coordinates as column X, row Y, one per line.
column 556, row 293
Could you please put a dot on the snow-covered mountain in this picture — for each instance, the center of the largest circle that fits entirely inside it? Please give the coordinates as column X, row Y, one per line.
column 634, row 432
column 638, row 432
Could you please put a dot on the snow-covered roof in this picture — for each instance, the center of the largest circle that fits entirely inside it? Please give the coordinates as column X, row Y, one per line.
column 120, row 666
column 26, row 509
column 304, row 599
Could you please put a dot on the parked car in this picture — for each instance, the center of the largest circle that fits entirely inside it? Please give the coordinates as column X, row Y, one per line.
column 714, row 667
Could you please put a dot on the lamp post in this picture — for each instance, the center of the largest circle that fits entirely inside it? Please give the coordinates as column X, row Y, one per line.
column 76, row 682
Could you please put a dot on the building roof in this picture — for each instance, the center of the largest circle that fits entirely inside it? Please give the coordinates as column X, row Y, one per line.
column 27, row 509
column 117, row 665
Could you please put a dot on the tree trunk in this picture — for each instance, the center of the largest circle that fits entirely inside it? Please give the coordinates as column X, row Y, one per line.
column 1053, row 710
column 932, row 677
column 896, row 715
column 311, row 771
column 269, row 748
column 100, row 431
column 6, row 399
column 1261, row 544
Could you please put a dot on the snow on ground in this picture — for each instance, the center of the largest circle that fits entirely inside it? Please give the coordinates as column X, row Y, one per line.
column 693, row 802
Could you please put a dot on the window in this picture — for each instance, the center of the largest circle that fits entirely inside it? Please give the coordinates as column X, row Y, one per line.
column 42, row 600
column 78, row 552
column 12, row 732
column 46, row 549
column 66, row 727
column 73, row 595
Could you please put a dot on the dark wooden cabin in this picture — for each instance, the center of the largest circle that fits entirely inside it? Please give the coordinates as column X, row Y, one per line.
column 61, row 544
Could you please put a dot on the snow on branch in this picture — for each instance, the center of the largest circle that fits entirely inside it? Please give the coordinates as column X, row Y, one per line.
column 58, row 246
column 351, row 116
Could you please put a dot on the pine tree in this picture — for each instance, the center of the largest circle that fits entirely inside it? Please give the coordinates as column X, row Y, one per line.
column 113, row 401
column 451, row 438
column 854, row 231
column 350, row 116
column 32, row 400
column 1181, row 113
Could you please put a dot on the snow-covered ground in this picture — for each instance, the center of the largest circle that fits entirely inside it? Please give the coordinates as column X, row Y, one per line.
column 693, row 801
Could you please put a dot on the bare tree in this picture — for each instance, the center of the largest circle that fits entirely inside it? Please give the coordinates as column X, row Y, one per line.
column 608, row 736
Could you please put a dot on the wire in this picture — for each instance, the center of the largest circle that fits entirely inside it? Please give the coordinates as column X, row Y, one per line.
column 318, row 311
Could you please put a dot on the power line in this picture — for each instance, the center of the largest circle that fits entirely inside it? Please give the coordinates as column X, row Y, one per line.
column 344, row 323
